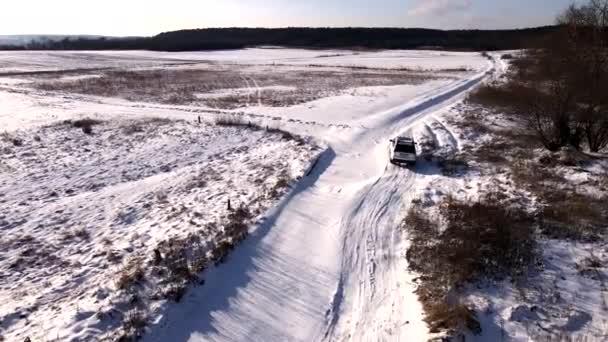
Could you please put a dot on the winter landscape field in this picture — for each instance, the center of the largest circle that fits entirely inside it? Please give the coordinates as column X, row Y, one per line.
column 247, row 195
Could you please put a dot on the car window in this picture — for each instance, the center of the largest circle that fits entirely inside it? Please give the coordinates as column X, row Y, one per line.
column 405, row 148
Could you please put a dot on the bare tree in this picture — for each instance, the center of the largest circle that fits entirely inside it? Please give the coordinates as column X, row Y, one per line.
column 587, row 42
column 541, row 90
column 563, row 84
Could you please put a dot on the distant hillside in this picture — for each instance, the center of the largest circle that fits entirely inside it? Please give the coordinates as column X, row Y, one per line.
column 370, row 38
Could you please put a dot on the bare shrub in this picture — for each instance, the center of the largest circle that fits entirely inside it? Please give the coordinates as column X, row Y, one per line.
column 173, row 263
column 560, row 86
column 468, row 242
column 133, row 324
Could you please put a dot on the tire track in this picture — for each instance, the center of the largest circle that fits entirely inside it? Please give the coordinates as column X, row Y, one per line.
column 375, row 299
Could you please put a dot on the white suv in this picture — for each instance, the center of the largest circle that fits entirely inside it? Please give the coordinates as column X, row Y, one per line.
column 403, row 151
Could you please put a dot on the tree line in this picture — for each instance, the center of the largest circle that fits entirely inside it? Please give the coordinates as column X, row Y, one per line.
column 365, row 38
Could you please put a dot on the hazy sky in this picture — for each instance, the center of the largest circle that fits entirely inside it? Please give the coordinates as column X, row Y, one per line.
column 148, row 17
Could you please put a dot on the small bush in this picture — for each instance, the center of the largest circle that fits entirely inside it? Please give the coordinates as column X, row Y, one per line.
column 235, row 121
column 85, row 124
column 133, row 325
column 506, row 56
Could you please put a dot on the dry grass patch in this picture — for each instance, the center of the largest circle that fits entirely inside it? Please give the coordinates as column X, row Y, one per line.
column 183, row 86
column 565, row 211
column 468, row 242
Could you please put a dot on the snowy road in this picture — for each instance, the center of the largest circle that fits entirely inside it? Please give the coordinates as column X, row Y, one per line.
column 327, row 263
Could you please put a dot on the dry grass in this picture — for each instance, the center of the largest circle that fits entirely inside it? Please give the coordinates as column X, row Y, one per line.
column 572, row 215
column 498, row 96
column 131, row 274
column 180, row 86
column 453, row 165
column 451, row 317
column 234, row 120
column 565, row 212
column 468, row 242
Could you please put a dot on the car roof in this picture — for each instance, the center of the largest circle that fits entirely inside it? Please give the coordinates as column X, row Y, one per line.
column 405, row 140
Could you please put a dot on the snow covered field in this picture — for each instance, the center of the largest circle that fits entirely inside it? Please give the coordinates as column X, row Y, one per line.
column 76, row 207
column 325, row 257
column 20, row 61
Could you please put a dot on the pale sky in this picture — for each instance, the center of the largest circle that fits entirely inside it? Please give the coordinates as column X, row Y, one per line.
column 149, row 17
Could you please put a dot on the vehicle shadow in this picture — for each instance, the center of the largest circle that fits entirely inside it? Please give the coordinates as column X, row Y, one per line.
column 192, row 319
column 431, row 168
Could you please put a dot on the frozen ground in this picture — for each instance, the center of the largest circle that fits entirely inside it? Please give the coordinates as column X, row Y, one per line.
column 324, row 263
